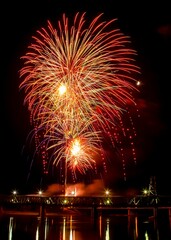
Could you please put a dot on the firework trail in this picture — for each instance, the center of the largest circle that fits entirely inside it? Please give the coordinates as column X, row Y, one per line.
column 78, row 79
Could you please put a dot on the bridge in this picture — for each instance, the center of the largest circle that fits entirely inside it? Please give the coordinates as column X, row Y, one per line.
column 41, row 205
column 87, row 201
column 107, row 200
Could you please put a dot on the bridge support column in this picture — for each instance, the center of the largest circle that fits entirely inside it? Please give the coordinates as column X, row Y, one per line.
column 131, row 216
column 155, row 215
column 94, row 215
column 42, row 212
column 133, row 223
column 94, row 212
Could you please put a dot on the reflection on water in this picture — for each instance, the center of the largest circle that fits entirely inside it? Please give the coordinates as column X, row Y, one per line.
column 10, row 228
column 80, row 227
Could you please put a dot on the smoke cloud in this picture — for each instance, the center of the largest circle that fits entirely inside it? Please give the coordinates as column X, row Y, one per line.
column 96, row 188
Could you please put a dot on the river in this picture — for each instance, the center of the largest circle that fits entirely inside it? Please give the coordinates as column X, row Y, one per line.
column 83, row 227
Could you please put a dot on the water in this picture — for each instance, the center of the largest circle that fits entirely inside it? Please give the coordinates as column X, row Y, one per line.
column 84, row 227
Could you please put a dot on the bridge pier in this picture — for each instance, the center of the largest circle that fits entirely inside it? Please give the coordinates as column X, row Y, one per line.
column 42, row 212
column 155, row 215
column 94, row 212
column 131, row 216
column 133, row 223
column 94, row 215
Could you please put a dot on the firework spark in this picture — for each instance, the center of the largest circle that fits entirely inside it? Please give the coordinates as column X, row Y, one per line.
column 78, row 79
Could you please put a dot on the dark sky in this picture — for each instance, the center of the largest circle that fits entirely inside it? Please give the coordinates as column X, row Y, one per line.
column 149, row 27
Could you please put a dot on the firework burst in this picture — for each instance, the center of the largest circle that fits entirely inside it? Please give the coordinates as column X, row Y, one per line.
column 77, row 79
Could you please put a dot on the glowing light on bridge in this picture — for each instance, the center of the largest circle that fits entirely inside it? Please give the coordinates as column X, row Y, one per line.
column 14, row 192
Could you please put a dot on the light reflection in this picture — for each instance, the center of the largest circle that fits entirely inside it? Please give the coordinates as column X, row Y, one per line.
column 107, row 236
column 37, row 233
column 64, row 227
column 136, row 227
column 146, row 236
column 100, row 226
column 72, row 231
column 46, row 228
column 10, row 229
column 67, row 229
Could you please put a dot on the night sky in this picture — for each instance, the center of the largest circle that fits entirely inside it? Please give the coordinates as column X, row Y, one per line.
column 149, row 27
